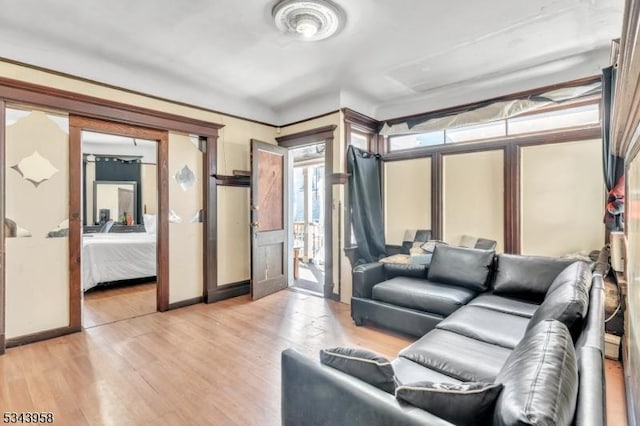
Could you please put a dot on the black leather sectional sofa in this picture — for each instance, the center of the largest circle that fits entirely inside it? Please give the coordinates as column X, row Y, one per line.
column 532, row 324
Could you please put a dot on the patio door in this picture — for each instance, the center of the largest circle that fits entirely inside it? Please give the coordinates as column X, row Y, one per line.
column 269, row 218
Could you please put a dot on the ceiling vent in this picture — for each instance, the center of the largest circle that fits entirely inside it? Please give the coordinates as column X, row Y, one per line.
column 309, row 20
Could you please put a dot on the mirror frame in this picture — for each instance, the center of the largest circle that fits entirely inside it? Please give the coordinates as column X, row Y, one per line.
column 115, row 182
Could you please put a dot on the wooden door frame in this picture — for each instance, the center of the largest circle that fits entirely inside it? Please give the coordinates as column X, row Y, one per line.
column 38, row 96
column 324, row 135
column 2, row 213
column 76, row 125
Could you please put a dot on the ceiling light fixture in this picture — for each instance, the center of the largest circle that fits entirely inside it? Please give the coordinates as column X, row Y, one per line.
column 308, row 20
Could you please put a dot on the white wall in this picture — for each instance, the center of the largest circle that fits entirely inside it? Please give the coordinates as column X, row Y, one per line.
column 407, row 197
column 562, row 198
column 185, row 238
column 37, row 268
column 473, row 196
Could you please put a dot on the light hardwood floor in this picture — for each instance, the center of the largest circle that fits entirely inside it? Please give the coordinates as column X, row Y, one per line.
column 102, row 306
column 213, row 364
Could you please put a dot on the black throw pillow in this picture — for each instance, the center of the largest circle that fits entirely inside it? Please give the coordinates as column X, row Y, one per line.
column 466, row 403
column 460, row 266
column 363, row 364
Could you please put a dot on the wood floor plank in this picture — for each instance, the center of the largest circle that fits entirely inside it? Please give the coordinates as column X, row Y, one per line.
column 215, row 364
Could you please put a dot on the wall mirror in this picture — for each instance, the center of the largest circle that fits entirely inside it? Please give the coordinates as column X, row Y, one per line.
column 115, row 200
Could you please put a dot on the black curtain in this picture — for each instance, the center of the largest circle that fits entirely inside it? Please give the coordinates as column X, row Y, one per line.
column 122, row 169
column 612, row 165
column 365, row 200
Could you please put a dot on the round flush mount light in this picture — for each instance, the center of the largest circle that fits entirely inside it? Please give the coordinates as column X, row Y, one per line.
column 308, row 19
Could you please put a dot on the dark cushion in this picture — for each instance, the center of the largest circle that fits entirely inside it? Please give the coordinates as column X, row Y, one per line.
column 487, row 325
column 526, row 277
column 458, row 356
column 413, row 236
column 361, row 363
column 392, row 270
column 422, row 295
column 567, row 299
column 460, row 403
column 505, row 304
column 540, row 379
column 461, row 266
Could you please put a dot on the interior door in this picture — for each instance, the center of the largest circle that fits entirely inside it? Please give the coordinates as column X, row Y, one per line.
column 269, row 218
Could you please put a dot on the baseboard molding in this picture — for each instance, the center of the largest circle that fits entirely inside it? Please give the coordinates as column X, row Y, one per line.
column 40, row 336
column 185, row 303
column 230, row 290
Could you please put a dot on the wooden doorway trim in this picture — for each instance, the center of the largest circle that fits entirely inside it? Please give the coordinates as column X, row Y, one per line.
column 309, row 137
column 76, row 125
column 2, row 213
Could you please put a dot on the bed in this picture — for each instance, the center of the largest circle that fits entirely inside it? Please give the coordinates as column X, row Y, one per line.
column 108, row 257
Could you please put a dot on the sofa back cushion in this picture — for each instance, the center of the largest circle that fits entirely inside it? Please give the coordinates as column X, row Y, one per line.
column 526, row 277
column 464, row 267
column 392, row 270
column 567, row 299
column 539, row 379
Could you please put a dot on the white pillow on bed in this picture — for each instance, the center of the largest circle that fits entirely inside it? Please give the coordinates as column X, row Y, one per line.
column 150, row 223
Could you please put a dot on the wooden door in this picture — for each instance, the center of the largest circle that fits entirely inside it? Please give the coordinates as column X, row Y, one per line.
column 269, row 239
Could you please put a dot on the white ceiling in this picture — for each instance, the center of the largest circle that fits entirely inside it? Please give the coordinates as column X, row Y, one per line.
column 392, row 58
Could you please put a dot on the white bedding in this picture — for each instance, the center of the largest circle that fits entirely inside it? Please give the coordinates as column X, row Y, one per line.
column 113, row 257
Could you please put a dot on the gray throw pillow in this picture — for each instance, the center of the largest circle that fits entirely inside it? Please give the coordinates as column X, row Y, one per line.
column 363, row 364
column 466, row 403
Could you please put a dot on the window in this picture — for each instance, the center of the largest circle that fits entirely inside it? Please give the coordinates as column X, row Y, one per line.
column 494, row 129
column 587, row 114
column 413, row 141
column 544, row 121
column 360, row 140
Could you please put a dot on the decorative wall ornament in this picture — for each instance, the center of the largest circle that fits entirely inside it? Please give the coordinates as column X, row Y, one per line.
column 174, row 218
column 60, row 231
column 13, row 230
column 185, row 178
column 35, row 168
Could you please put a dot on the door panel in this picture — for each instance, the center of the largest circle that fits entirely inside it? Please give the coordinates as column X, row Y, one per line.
column 268, row 219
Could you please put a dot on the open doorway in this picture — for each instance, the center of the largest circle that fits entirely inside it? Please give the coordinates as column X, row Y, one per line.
column 308, row 218
column 119, row 217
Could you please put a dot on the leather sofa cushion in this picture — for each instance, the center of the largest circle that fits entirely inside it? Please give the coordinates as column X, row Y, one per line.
column 459, row 266
column 392, row 270
column 526, row 277
column 363, row 364
column 540, row 379
column 567, row 299
column 487, row 325
column 422, row 295
column 464, row 404
column 407, row 371
column 505, row 304
column 458, row 356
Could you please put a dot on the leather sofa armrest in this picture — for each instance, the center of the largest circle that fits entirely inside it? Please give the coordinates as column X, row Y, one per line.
column 314, row 394
column 365, row 277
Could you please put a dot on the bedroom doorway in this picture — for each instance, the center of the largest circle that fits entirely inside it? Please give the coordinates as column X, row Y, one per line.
column 120, row 235
column 307, row 205
column 119, row 212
